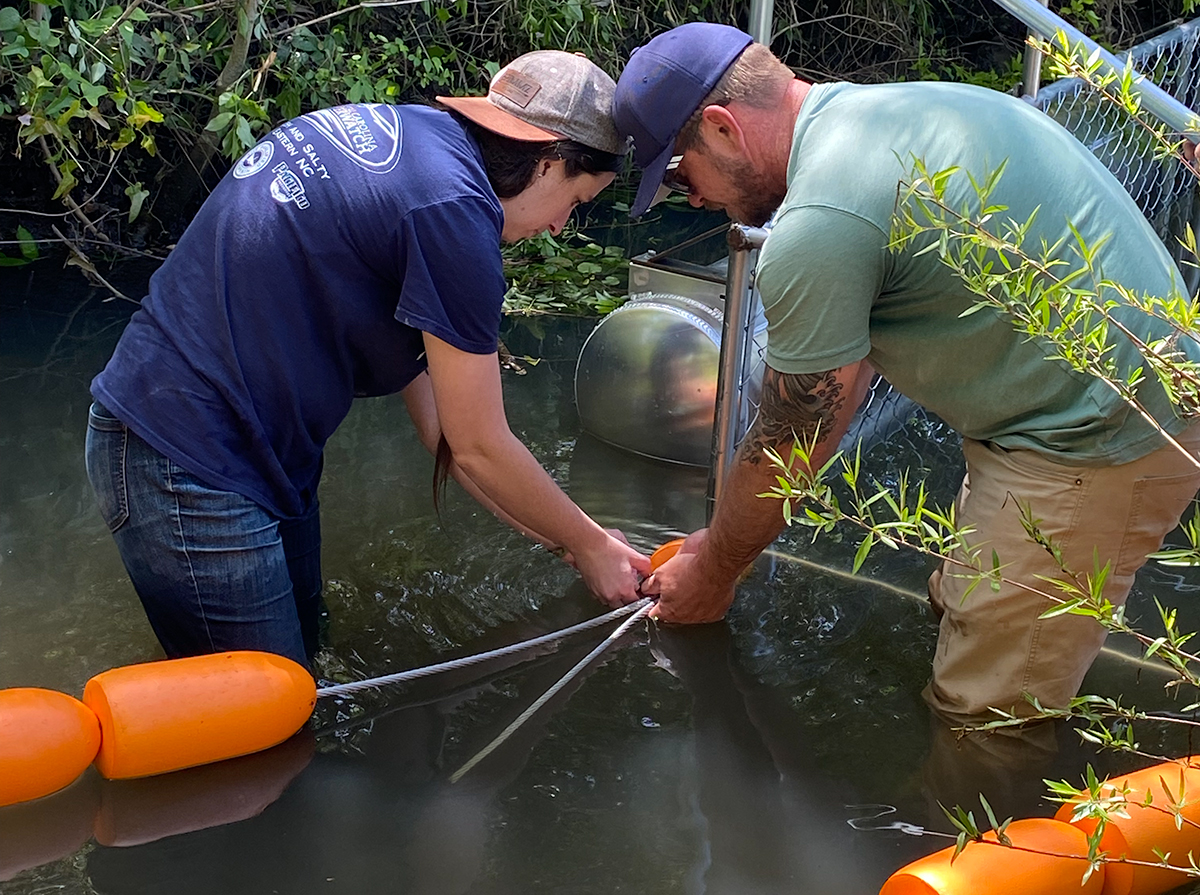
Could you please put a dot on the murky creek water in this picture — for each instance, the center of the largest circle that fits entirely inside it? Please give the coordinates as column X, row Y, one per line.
column 761, row 755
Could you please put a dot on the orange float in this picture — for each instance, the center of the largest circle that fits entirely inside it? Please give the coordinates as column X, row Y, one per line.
column 180, row 713
column 47, row 739
column 665, row 552
column 670, row 548
column 984, row 868
column 1175, row 784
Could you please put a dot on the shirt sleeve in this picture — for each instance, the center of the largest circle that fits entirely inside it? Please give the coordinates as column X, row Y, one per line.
column 453, row 274
column 819, row 274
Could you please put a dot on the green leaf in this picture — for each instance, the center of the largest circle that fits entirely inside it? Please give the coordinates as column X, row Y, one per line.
column 144, row 114
column 137, row 195
column 65, row 186
column 72, row 111
column 863, row 549
column 124, row 138
column 10, row 19
column 219, row 122
column 29, row 248
column 244, row 133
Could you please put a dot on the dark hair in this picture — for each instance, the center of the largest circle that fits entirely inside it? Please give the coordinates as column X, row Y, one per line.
column 512, row 164
column 441, row 471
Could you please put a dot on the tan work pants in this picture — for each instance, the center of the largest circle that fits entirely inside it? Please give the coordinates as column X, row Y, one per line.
column 992, row 647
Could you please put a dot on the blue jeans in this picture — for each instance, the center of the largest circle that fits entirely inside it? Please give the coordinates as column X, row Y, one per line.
column 214, row 570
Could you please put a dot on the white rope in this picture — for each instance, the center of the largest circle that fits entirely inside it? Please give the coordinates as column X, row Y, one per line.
column 643, row 607
column 466, row 661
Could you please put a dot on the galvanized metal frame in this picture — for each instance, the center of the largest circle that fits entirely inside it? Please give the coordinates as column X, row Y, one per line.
column 744, row 243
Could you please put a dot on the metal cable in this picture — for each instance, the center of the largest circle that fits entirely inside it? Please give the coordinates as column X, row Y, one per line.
column 466, row 661
column 643, row 607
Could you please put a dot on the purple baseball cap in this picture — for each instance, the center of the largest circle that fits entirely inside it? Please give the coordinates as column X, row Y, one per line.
column 663, row 84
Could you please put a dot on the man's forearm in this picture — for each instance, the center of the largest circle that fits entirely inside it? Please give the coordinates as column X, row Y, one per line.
column 815, row 408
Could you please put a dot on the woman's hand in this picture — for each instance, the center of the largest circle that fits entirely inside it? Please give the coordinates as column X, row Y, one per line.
column 467, row 401
column 569, row 558
column 611, row 569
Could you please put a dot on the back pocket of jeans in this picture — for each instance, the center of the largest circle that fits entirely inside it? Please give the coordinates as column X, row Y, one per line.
column 107, row 446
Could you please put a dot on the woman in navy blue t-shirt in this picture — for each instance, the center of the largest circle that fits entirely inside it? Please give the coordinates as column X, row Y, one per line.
column 354, row 251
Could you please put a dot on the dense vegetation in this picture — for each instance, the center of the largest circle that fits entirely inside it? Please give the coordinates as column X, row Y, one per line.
column 115, row 120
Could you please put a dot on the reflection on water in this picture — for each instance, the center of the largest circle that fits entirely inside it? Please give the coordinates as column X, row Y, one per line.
column 760, row 755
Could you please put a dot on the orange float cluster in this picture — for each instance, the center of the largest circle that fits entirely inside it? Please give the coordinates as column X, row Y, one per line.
column 1049, row 856
column 150, row 719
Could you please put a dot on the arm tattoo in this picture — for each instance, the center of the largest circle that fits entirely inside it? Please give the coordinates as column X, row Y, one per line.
column 793, row 404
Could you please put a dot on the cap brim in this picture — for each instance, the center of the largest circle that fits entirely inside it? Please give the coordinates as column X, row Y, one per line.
column 651, row 189
column 495, row 119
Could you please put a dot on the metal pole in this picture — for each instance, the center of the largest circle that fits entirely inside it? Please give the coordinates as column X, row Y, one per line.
column 743, row 241
column 759, row 25
column 1154, row 99
column 1031, row 74
column 735, row 324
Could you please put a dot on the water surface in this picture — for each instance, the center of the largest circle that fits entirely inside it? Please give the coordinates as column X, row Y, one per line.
column 767, row 754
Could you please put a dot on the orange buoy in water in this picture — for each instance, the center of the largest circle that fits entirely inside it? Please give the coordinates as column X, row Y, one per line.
column 1169, row 786
column 988, row 868
column 180, row 713
column 47, row 739
column 670, row 548
column 665, row 552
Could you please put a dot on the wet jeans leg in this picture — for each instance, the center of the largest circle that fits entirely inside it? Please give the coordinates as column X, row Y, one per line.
column 213, row 569
column 302, row 548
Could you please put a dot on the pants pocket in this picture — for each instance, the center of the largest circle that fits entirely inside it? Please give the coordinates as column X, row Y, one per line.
column 106, row 450
column 1159, row 504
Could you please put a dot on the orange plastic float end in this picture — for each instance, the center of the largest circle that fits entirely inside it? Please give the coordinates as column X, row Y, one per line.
column 1169, row 786
column 47, row 739
column 988, row 868
column 1118, row 876
column 665, row 552
column 180, row 713
column 670, row 548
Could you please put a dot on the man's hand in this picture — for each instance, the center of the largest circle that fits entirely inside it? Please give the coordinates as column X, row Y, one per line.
column 686, row 593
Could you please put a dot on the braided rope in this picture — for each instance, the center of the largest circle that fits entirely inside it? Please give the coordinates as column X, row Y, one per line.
column 467, row 661
column 643, row 607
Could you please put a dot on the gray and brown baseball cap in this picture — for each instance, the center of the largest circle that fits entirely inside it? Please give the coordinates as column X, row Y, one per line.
column 547, row 95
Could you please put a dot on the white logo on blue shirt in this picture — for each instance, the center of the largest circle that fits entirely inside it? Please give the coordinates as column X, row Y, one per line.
column 370, row 135
column 254, row 160
column 287, row 187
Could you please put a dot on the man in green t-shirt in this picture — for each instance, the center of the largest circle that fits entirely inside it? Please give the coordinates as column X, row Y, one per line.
column 717, row 116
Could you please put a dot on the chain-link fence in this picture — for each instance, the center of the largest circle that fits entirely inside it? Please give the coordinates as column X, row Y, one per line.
column 1163, row 188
